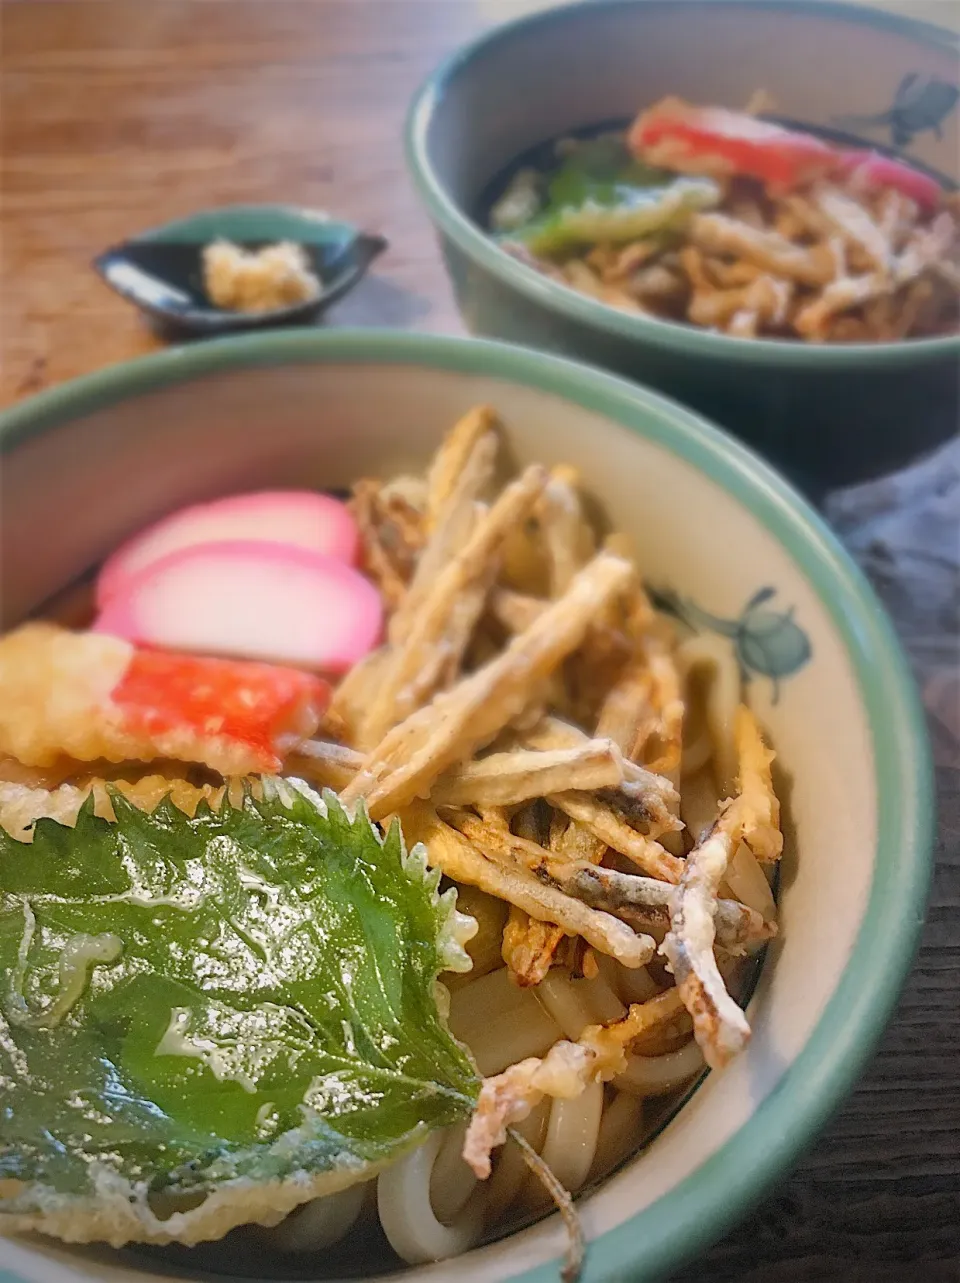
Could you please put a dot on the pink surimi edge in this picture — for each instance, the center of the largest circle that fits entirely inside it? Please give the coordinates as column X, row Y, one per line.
column 119, row 615
column 113, row 575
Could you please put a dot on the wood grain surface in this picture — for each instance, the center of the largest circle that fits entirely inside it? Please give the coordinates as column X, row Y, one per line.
column 119, row 114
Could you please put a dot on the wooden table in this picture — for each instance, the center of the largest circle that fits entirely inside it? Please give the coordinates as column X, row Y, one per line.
column 119, row 114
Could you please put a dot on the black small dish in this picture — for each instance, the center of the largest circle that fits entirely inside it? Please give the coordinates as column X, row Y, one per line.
column 161, row 271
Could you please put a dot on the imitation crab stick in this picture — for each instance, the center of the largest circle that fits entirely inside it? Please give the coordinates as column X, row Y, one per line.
column 297, row 518
column 88, row 696
column 262, row 601
column 717, row 142
column 713, row 141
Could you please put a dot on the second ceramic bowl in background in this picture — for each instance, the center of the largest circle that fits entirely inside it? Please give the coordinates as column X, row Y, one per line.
column 828, row 414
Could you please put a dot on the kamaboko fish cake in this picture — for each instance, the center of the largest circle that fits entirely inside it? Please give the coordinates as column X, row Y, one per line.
column 89, row 696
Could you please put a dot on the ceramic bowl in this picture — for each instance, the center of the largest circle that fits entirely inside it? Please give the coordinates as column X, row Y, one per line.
column 160, row 271
column 86, row 464
column 829, row 414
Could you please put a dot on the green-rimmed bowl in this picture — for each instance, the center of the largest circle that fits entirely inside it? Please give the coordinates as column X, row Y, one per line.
column 828, row 414
column 86, row 464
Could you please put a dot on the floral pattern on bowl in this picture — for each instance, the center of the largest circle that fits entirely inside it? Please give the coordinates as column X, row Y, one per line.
column 921, row 103
column 767, row 643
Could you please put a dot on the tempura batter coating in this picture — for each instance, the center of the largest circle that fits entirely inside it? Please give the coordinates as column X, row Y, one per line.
column 88, row 696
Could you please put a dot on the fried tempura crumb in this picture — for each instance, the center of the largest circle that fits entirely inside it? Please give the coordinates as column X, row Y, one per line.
column 239, row 280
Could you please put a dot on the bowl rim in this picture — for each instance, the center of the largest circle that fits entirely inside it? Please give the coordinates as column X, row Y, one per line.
column 669, row 335
column 706, row 1203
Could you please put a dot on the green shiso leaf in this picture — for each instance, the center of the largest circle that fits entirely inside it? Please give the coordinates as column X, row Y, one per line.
column 245, row 995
